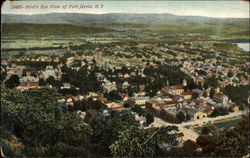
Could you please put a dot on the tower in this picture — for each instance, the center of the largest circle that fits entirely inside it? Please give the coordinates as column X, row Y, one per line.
column 217, row 90
column 167, row 84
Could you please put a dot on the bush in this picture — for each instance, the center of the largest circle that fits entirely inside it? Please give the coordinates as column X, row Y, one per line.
column 149, row 118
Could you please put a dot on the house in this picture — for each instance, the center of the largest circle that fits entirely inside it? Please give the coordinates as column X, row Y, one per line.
column 178, row 89
column 210, row 74
column 138, row 100
column 132, row 73
column 114, row 106
column 234, row 108
column 199, row 80
column 169, row 114
column 82, row 114
column 142, row 86
column 200, row 102
column 91, row 114
column 125, row 97
column 140, row 94
column 49, row 68
column 69, row 101
column 78, row 97
column 210, row 102
column 155, row 103
column 125, row 85
column 140, row 119
column 191, row 146
column 195, row 114
column 126, row 75
column 221, row 98
column 209, row 111
column 171, row 103
column 109, row 86
column 28, row 82
column 15, row 70
column 187, row 95
column 66, row 86
column 223, row 84
column 198, row 91
column 46, row 74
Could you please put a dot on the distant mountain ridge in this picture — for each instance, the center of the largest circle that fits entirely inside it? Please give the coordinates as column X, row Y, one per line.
column 113, row 17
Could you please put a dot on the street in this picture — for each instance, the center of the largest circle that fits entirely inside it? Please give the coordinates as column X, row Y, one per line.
column 188, row 133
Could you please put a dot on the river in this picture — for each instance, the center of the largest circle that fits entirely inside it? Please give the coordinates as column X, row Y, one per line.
column 244, row 46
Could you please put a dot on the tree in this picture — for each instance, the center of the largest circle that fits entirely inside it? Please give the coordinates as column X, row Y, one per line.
column 220, row 111
column 181, row 116
column 207, row 142
column 136, row 142
column 126, row 105
column 205, row 85
column 188, row 117
column 212, row 82
column 31, row 117
column 238, row 136
column 12, row 82
column 212, row 92
column 205, row 94
column 205, row 130
column 230, row 74
column 149, row 118
column 42, row 82
column 107, row 129
column 242, row 107
column 231, row 142
column 139, row 110
column 195, row 95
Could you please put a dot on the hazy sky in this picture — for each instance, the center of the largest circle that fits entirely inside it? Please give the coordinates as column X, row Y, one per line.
column 231, row 8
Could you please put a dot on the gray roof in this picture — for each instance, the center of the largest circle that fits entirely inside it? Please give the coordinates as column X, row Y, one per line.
column 197, row 91
column 47, row 74
column 190, row 111
column 29, row 79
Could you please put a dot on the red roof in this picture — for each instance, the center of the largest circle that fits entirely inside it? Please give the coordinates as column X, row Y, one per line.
column 187, row 93
column 142, row 86
column 219, row 95
column 177, row 87
column 209, row 111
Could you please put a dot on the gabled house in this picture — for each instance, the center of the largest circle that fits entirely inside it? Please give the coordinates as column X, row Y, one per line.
column 221, row 98
column 198, row 91
column 234, row 108
column 195, row 114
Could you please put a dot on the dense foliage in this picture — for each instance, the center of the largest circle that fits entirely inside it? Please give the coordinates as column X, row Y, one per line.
column 34, row 120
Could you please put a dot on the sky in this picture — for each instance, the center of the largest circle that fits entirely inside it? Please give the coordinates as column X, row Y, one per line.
column 219, row 9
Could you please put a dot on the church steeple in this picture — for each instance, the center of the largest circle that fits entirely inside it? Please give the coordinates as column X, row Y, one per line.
column 167, row 83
